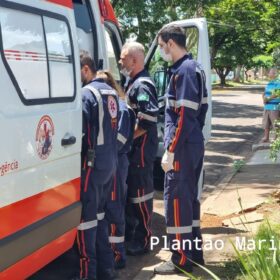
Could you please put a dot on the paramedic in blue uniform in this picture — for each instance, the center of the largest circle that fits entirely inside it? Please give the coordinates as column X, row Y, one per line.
column 186, row 106
column 117, row 196
column 99, row 159
column 141, row 95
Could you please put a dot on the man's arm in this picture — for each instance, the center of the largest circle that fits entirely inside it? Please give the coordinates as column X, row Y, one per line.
column 187, row 106
column 147, row 108
column 139, row 131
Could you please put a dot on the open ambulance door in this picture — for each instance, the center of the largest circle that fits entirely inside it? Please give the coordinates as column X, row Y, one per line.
column 113, row 40
column 98, row 33
column 41, row 132
column 197, row 44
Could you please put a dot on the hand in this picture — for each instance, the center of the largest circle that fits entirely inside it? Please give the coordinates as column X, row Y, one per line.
column 167, row 161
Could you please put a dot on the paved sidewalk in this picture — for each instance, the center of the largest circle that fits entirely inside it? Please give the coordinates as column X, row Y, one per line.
column 231, row 212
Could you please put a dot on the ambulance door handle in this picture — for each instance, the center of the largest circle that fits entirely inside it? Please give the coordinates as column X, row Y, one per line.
column 68, row 140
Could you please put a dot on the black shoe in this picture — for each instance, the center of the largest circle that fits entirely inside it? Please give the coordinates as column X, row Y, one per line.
column 169, row 268
column 135, row 249
column 108, row 274
column 120, row 264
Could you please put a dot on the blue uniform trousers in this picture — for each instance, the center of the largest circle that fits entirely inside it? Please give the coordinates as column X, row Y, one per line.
column 140, row 204
column 116, row 209
column 94, row 225
column 182, row 205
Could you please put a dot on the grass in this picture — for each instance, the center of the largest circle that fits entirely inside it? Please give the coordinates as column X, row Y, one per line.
column 275, row 145
column 262, row 263
column 230, row 83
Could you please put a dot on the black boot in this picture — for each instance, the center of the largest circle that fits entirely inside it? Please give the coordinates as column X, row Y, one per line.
column 135, row 249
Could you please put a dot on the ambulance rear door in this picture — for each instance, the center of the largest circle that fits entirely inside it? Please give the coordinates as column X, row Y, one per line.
column 41, row 131
column 113, row 46
column 98, row 33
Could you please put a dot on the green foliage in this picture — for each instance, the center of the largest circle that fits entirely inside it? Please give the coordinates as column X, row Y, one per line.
column 239, row 30
column 238, row 164
column 276, row 56
column 143, row 18
column 275, row 145
column 263, row 262
column 265, row 61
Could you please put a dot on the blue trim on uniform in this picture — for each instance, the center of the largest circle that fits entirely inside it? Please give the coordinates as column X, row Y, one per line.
column 272, row 105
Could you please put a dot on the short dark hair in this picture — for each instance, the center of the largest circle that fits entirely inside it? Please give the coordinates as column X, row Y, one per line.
column 86, row 59
column 174, row 32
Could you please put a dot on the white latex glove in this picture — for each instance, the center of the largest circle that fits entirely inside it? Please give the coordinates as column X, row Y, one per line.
column 167, row 161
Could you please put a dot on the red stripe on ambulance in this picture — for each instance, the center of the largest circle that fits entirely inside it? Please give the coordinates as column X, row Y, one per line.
column 65, row 3
column 25, row 212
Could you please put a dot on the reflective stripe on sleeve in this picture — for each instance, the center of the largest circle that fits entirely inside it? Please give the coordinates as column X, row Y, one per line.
column 121, row 138
column 141, row 198
column 178, row 230
column 183, row 103
column 196, row 223
column 87, row 225
column 97, row 94
column 108, row 92
column 146, row 117
column 146, row 79
column 204, row 100
column 116, row 239
column 100, row 216
column 187, row 103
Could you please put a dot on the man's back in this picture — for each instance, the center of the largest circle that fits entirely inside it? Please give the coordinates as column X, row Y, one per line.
column 100, row 110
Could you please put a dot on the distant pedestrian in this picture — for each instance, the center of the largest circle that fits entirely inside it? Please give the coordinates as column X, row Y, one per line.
column 271, row 104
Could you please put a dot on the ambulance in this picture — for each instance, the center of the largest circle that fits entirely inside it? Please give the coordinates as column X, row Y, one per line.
column 41, row 119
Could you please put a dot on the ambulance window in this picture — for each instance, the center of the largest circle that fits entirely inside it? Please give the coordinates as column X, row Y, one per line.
column 86, row 30
column 24, row 51
column 60, row 58
column 112, row 56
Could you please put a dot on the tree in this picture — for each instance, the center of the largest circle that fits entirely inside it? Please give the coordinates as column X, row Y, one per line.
column 143, row 18
column 236, row 34
column 238, row 29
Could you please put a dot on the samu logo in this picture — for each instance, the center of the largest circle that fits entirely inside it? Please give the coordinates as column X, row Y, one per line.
column 44, row 137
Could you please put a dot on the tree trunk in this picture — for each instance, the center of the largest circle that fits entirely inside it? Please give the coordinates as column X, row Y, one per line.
column 246, row 74
column 237, row 74
column 223, row 80
column 222, row 72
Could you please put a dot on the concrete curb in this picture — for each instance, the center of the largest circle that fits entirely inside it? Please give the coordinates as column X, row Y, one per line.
column 214, row 194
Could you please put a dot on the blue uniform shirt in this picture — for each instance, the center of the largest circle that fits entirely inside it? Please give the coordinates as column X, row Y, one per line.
column 273, row 104
column 186, row 104
column 100, row 124
column 125, row 128
column 142, row 97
